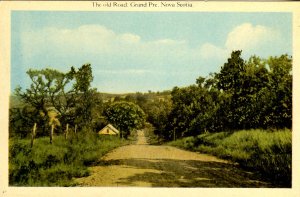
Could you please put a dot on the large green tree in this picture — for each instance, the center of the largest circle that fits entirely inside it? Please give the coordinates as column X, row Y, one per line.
column 70, row 94
column 46, row 90
column 278, row 111
column 86, row 96
column 193, row 108
column 125, row 116
column 157, row 114
column 230, row 79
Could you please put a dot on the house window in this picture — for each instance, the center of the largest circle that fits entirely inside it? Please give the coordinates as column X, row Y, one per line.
column 107, row 130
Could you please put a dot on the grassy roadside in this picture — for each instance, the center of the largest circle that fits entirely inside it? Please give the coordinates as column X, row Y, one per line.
column 269, row 153
column 56, row 164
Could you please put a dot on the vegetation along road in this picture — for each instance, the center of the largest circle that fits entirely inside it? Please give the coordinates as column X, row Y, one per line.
column 164, row 166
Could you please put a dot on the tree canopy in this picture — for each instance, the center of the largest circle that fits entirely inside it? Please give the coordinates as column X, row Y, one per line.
column 125, row 116
column 69, row 94
column 244, row 95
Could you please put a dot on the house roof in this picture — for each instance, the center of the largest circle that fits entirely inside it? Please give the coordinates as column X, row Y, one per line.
column 112, row 128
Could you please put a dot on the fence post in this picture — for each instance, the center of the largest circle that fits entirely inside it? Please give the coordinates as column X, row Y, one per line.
column 33, row 134
column 66, row 132
column 51, row 133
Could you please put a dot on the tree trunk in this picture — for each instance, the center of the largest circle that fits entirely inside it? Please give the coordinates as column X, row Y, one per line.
column 51, row 133
column 33, row 135
column 67, row 131
column 75, row 128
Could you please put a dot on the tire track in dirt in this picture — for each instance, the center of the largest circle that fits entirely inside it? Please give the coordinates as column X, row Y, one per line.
column 165, row 166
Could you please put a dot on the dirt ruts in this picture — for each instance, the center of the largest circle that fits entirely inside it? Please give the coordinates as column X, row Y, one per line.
column 165, row 166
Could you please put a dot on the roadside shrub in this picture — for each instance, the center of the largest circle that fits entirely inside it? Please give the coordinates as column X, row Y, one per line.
column 186, row 143
column 267, row 152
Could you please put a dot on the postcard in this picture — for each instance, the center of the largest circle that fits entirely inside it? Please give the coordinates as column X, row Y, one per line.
column 149, row 98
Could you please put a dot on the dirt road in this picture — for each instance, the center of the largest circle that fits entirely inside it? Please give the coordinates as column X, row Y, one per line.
column 165, row 166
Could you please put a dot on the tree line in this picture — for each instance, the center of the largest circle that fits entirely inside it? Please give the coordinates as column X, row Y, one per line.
column 244, row 94
column 251, row 94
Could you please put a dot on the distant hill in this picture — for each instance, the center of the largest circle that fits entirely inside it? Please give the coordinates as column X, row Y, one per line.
column 15, row 102
column 149, row 96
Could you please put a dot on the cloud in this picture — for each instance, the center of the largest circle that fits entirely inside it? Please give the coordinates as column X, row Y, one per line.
column 209, row 50
column 121, row 53
column 86, row 39
column 130, row 38
column 127, row 72
column 94, row 39
column 247, row 36
column 170, row 42
column 117, row 57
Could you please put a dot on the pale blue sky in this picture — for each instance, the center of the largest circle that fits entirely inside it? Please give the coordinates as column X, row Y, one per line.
column 141, row 51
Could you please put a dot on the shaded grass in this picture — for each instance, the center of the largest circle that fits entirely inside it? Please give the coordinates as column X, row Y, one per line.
column 56, row 164
column 267, row 152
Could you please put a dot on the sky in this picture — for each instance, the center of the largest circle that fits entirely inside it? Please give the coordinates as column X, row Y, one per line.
column 141, row 51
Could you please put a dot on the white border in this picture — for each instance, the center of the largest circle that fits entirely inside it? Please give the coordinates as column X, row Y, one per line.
column 5, row 10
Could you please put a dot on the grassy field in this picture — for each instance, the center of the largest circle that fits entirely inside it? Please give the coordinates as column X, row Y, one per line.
column 267, row 152
column 56, row 164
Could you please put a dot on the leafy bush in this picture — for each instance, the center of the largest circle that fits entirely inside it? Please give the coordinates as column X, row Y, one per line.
column 186, row 143
column 56, row 164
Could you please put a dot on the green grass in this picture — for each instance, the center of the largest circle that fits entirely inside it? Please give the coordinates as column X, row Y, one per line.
column 59, row 163
column 267, row 152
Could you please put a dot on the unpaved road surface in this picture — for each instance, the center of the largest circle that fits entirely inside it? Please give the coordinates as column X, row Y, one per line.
column 165, row 166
